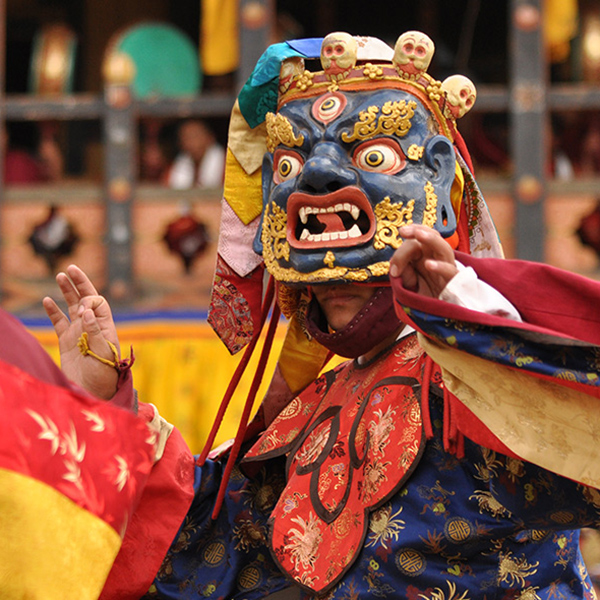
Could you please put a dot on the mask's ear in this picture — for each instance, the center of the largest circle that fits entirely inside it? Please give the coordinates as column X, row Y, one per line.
column 441, row 158
column 267, row 182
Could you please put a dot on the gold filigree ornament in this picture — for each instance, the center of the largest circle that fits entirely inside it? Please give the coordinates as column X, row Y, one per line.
column 415, row 152
column 329, row 259
column 395, row 119
column 280, row 131
column 430, row 212
column 305, row 80
column 390, row 217
column 273, row 232
column 373, row 71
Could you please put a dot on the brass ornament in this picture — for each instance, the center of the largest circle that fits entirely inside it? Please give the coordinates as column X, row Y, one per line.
column 430, row 213
column 415, row 152
column 274, row 233
column 329, row 259
column 390, row 217
column 305, row 80
column 280, row 131
column 395, row 119
column 373, row 71
column 291, row 276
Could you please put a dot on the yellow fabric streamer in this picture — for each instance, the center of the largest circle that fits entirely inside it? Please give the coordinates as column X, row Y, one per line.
column 550, row 425
column 243, row 192
column 219, row 42
column 51, row 549
column 458, row 186
column 247, row 144
column 301, row 359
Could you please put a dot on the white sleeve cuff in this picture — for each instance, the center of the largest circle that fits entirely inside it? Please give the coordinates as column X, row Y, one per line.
column 467, row 290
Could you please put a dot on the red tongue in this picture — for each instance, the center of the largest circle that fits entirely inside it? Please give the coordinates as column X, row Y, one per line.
column 331, row 221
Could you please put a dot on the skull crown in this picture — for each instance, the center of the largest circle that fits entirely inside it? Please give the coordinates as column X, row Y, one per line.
column 347, row 64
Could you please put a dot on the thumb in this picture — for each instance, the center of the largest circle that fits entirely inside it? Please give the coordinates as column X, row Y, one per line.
column 96, row 339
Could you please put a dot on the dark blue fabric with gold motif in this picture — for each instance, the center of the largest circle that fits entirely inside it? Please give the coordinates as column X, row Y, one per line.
column 481, row 527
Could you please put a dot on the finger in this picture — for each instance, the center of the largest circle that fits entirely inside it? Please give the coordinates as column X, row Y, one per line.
column 96, row 339
column 441, row 269
column 438, row 275
column 59, row 320
column 81, row 281
column 95, row 303
column 101, row 309
column 433, row 243
column 69, row 292
column 408, row 252
column 410, row 279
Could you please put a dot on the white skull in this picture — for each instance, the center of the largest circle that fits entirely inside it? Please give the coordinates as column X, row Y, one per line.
column 413, row 52
column 338, row 53
column 460, row 94
column 290, row 68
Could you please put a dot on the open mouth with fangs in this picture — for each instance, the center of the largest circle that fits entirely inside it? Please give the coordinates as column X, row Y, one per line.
column 342, row 218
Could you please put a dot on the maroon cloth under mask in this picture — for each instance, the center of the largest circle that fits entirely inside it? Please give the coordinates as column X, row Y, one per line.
column 373, row 323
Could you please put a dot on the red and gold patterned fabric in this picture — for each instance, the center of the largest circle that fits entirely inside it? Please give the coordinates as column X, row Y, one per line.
column 352, row 439
column 71, row 473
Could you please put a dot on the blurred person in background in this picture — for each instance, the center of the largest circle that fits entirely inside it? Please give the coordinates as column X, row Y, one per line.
column 200, row 160
column 22, row 165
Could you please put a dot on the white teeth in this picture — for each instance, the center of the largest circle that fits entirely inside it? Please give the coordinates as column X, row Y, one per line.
column 354, row 232
column 309, row 210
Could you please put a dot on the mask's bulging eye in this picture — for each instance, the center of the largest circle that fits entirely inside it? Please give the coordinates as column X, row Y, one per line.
column 380, row 156
column 287, row 165
column 328, row 107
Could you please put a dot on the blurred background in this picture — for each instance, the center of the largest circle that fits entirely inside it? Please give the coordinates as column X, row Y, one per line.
column 114, row 118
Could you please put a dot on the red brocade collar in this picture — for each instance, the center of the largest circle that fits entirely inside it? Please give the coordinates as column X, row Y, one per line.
column 352, row 438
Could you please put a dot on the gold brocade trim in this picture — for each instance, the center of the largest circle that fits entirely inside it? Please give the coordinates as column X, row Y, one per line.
column 545, row 423
column 280, row 131
column 288, row 299
column 52, row 549
column 274, row 233
column 430, row 213
column 394, row 119
column 390, row 217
